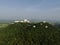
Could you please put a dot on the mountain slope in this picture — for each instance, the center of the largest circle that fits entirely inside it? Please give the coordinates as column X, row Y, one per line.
column 30, row 34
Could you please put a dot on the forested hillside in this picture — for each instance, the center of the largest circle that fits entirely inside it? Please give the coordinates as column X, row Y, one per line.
column 30, row 34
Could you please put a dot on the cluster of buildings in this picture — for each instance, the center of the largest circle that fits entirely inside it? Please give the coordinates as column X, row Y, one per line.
column 27, row 21
column 23, row 21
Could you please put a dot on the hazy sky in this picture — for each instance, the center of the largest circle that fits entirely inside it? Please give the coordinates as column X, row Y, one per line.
column 30, row 9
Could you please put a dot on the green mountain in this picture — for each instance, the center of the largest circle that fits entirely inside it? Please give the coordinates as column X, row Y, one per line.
column 30, row 34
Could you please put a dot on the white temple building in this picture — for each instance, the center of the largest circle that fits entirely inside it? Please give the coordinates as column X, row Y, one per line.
column 44, row 21
column 46, row 26
column 34, row 26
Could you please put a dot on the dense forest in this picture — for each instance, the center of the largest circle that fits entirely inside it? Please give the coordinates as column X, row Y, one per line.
column 30, row 34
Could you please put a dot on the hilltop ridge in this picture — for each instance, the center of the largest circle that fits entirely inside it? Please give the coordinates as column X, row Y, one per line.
column 30, row 34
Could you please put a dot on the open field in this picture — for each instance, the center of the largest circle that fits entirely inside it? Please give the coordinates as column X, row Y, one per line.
column 2, row 25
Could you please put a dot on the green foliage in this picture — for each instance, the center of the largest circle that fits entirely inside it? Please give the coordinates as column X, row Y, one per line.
column 26, row 34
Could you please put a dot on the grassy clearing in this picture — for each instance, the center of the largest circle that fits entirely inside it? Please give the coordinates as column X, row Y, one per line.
column 2, row 25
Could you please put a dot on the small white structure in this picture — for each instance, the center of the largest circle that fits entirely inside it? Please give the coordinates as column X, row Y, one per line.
column 44, row 21
column 34, row 26
column 25, row 20
column 46, row 26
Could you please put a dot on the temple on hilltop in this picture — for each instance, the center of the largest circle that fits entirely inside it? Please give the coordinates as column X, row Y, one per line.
column 23, row 21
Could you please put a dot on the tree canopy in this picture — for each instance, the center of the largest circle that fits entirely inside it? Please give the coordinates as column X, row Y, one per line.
column 26, row 34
